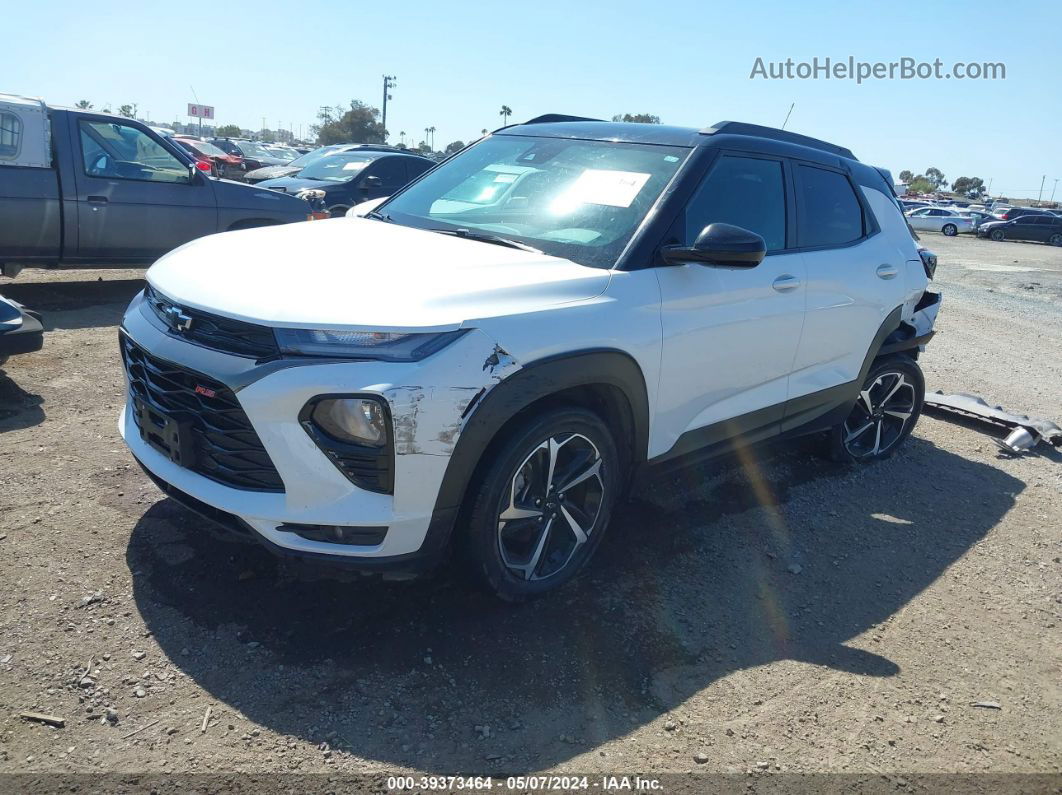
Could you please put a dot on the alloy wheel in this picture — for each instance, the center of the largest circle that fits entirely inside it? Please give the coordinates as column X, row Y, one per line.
column 880, row 415
column 950, row 230
column 551, row 507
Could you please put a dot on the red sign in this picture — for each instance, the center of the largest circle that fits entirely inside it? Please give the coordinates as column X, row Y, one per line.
column 201, row 111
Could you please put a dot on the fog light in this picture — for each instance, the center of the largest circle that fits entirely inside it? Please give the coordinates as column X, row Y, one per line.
column 353, row 420
column 337, row 534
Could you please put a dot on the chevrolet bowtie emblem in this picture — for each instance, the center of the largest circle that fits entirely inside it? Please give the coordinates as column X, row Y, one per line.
column 176, row 319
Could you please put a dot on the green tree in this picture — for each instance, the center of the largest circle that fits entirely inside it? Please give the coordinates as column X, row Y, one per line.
column 129, row 111
column 228, row 131
column 453, row 146
column 936, row 176
column 971, row 187
column 359, row 124
column 906, row 176
column 920, row 185
column 83, row 104
column 638, row 118
column 505, row 113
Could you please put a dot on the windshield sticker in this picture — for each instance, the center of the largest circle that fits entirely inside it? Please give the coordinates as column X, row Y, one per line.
column 602, row 186
column 357, row 165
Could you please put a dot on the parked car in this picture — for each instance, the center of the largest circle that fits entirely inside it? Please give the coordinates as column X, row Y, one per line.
column 297, row 165
column 614, row 298
column 979, row 217
column 224, row 164
column 351, row 177
column 940, row 219
column 254, row 155
column 1045, row 228
column 912, row 205
column 85, row 187
column 1010, row 213
column 21, row 330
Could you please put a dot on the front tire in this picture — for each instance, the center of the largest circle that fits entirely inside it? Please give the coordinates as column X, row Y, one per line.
column 885, row 412
column 997, row 235
column 950, row 230
column 1055, row 240
column 543, row 503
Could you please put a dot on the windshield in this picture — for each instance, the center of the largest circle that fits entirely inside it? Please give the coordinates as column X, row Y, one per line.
column 337, row 167
column 207, row 149
column 253, row 149
column 582, row 200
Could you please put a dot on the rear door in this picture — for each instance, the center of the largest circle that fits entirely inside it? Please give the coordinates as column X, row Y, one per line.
column 135, row 198
column 856, row 277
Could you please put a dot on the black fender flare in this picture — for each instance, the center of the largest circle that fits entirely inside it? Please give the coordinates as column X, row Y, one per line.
column 535, row 381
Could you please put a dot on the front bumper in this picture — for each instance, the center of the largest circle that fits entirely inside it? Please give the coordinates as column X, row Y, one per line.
column 26, row 336
column 426, row 425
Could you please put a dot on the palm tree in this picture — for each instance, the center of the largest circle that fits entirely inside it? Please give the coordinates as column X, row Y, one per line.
column 432, row 131
column 505, row 113
column 83, row 104
column 402, row 135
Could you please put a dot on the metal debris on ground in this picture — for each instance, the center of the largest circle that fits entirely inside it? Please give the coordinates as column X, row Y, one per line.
column 986, row 704
column 1026, row 432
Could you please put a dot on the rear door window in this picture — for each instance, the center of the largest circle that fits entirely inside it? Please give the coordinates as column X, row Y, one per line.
column 828, row 212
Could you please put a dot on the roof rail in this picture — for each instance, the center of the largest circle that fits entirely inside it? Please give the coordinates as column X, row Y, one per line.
column 549, row 118
column 743, row 128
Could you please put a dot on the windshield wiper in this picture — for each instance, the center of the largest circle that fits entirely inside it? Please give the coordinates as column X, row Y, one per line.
column 486, row 237
column 379, row 216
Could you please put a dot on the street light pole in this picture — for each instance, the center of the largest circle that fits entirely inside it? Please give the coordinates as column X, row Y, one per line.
column 390, row 81
column 1053, row 190
column 1043, row 179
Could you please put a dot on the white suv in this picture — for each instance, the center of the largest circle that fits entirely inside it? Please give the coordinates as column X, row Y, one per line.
column 486, row 359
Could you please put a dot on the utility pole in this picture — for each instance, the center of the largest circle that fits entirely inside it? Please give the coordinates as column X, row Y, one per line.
column 390, row 81
column 1053, row 190
column 1043, row 179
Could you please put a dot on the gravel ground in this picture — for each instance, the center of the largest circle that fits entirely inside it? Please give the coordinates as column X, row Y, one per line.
column 772, row 612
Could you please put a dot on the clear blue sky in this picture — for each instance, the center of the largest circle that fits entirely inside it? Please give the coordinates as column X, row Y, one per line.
column 687, row 61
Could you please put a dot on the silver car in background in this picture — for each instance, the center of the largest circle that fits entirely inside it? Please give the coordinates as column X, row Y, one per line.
column 940, row 219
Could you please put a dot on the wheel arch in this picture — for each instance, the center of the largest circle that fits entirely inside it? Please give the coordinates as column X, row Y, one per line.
column 607, row 381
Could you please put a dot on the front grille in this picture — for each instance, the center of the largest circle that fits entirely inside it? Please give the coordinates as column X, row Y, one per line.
column 213, row 331
column 224, row 445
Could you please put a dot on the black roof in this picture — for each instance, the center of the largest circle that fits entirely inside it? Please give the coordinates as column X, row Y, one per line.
column 721, row 133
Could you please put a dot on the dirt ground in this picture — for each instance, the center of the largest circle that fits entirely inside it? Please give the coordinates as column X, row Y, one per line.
column 771, row 612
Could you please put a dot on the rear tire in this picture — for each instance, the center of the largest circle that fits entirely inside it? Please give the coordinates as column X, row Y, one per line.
column 997, row 235
column 338, row 211
column 950, row 230
column 543, row 503
column 1055, row 240
column 884, row 414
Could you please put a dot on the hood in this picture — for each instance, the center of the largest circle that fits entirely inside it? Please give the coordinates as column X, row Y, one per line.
column 272, row 172
column 293, row 184
column 365, row 274
column 230, row 193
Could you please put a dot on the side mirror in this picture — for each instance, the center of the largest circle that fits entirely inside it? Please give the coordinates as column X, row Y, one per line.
column 720, row 244
column 371, row 183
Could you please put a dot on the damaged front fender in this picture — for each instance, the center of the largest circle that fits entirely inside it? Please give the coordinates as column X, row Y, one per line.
column 429, row 420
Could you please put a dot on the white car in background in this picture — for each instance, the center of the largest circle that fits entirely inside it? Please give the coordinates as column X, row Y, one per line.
column 940, row 219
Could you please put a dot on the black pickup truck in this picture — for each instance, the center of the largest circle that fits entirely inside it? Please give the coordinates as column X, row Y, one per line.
column 78, row 187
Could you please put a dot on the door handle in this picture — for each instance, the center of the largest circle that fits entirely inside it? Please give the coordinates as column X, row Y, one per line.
column 97, row 199
column 785, row 283
column 887, row 271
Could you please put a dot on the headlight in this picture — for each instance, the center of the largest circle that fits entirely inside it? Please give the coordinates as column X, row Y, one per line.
column 383, row 345
column 352, row 420
column 310, row 194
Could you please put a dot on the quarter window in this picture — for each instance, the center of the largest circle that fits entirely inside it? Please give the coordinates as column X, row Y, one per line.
column 828, row 212
column 743, row 191
column 10, row 136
